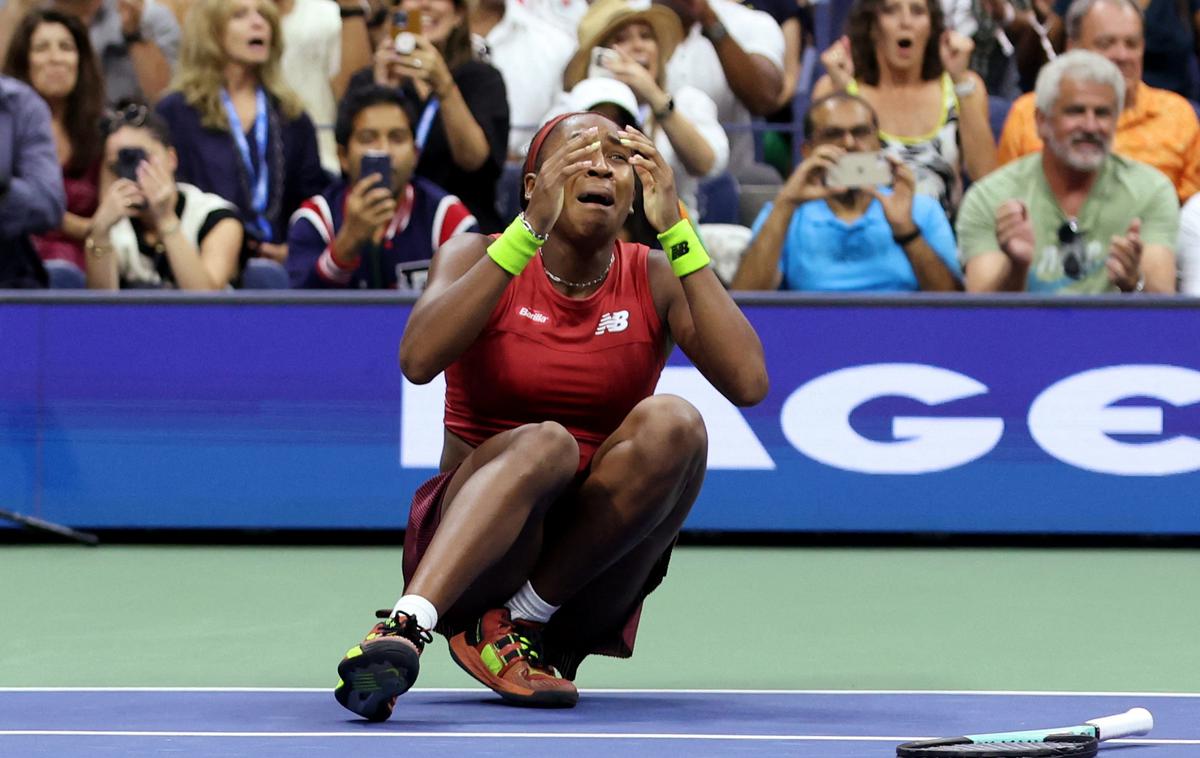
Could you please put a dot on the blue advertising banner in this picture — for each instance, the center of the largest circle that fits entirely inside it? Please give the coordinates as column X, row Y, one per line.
column 930, row 414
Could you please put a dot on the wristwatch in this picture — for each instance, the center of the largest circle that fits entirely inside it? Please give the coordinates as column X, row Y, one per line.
column 715, row 32
column 667, row 109
column 966, row 87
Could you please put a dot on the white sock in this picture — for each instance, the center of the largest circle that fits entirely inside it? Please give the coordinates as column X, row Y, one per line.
column 419, row 608
column 528, row 605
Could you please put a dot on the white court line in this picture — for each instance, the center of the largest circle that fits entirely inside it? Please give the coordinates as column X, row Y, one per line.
column 468, row 690
column 513, row 735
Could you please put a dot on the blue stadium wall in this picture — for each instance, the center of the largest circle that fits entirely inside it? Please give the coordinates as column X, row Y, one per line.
column 924, row 414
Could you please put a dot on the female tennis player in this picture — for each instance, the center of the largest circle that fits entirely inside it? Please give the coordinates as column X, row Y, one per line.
column 564, row 480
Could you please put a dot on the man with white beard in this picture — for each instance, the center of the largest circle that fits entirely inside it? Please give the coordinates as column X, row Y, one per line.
column 1074, row 218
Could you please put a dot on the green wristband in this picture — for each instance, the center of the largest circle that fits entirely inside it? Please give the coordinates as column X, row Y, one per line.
column 683, row 248
column 513, row 250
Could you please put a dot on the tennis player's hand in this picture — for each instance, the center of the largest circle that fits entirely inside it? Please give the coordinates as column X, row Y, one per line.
column 659, row 198
column 572, row 158
column 1014, row 232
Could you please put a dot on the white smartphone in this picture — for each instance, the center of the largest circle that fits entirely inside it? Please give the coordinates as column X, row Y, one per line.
column 860, row 170
column 596, row 60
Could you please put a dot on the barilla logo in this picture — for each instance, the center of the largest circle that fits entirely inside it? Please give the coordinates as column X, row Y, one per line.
column 535, row 316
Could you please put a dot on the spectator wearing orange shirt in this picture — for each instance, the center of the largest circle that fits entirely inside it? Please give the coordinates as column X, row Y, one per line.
column 1156, row 126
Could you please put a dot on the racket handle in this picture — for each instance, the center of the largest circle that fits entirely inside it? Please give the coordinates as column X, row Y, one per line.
column 1131, row 722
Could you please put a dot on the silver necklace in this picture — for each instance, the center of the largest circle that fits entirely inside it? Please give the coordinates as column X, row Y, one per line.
column 578, row 285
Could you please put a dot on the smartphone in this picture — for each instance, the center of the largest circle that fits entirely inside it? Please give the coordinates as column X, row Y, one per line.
column 128, row 160
column 377, row 163
column 596, row 60
column 860, row 170
column 405, row 28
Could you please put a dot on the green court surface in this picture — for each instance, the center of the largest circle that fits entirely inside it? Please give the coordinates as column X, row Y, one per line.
column 738, row 618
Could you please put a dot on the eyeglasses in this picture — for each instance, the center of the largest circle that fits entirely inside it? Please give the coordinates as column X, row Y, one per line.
column 1070, row 239
column 133, row 114
column 836, row 134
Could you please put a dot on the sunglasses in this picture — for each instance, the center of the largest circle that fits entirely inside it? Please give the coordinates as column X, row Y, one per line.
column 133, row 114
column 1070, row 238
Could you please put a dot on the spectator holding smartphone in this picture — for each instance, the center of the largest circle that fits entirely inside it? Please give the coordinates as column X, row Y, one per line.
column 462, row 131
column 381, row 226
column 51, row 53
column 819, row 236
column 149, row 230
column 239, row 131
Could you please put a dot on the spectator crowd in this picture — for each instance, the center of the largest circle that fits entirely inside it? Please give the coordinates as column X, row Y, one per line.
column 939, row 145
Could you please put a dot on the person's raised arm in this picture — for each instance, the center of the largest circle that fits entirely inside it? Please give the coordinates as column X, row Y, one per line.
column 975, row 129
column 470, row 272
column 701, row 317
column 152, row 39
column 754, row 79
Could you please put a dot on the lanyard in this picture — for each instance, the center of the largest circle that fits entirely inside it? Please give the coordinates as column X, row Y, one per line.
column 426, row 122
column 258, row 199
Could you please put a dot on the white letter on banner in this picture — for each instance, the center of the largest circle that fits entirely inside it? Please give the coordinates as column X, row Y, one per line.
column 422, row 415
column 1072, row 420
column 816, row 420
column 732, row 444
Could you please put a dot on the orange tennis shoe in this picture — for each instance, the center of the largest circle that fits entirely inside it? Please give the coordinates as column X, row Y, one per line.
column 506, row 656
column 382, row 667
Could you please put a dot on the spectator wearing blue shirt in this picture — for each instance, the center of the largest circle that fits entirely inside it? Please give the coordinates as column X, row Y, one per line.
column 373, row 231
column 31, row 188
column 817, row 237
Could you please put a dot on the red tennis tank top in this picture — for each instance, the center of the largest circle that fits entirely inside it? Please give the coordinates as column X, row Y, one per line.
column 546, row 357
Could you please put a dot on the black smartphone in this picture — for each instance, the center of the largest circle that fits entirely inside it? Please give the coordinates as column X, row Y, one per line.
column 128, row 159
column 377, row 163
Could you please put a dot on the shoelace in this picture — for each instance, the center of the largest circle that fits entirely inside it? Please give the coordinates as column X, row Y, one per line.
column 529, row 640
column 408, row 629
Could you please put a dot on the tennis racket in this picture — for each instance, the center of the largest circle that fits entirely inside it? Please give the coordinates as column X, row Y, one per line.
column 1080, row 741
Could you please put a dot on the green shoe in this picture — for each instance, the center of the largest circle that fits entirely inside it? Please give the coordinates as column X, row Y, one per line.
column 381, row 667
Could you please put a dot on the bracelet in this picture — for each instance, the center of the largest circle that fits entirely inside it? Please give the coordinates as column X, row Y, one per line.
column 513, row 250
column 667, row 109
column 541, row 238
column 902, row 241
column 94, row 250
column 164, row 233
column 683, row 248
column 715, row 32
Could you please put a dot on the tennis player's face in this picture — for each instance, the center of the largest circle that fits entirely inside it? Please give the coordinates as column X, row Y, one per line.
column 600, row 198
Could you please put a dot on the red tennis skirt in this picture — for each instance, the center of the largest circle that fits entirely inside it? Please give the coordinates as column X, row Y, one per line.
column 423, row 518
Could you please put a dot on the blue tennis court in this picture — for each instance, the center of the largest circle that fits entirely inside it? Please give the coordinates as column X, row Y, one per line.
column 288, row 722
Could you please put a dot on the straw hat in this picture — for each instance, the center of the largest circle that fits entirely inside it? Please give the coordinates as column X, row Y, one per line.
column 603, row 17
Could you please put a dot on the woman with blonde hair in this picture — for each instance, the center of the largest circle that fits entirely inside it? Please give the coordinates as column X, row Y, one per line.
column 239, row 131
column 633, row 45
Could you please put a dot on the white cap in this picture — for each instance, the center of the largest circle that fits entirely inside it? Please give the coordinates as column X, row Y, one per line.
column 599, row 89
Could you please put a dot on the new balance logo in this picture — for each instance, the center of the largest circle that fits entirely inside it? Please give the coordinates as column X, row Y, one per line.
column 535, row 316
column 617, row 321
